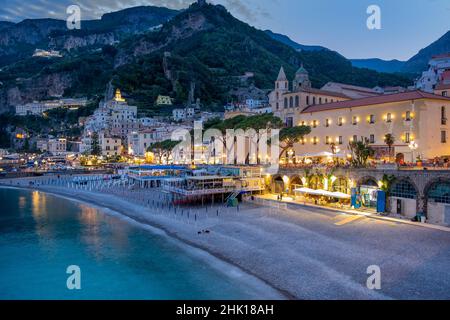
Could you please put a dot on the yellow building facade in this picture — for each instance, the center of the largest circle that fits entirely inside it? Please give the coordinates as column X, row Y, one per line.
column 417, row 120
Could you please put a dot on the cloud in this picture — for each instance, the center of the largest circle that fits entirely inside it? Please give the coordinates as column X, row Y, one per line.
column 17, row 10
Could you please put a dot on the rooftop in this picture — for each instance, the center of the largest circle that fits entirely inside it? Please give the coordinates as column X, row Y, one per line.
column 389, row 98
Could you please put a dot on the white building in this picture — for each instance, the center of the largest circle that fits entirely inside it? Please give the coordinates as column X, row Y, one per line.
column 430, row 78
column 114, row 117
column 39, row 107
column 110, row 145
column 55, row 146
column 183, row 114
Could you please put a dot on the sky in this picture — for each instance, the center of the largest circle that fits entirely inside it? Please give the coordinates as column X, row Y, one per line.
column 406, row 25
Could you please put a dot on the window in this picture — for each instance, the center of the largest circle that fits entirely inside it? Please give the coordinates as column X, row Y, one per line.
column 307, row 100
column 389, row 118
column 340, row 140
column 403, row 189
column 291, row 102
column 314, row 123
column 444, row 93
column 407, row 137
column 289, row 122
column 408, row 116
column 320, row 100
column 297, row 101
column 443, row 116
column 314, row 100
column 443, row 136
column 355, row 120
column 372, row 119
column 327, row 140
column 355, row 138
column 327, row 123
column 278, row 106
column 303, row 141
column 315, row 140
column 340, row 122
column 285, row 102
column 303, row 123
column 372, row 138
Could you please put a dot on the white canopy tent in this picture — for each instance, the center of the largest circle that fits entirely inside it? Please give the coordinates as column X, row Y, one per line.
column 325, row 193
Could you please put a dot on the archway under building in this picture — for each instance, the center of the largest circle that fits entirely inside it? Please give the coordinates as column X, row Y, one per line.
column 403, row 196
column 437, row 201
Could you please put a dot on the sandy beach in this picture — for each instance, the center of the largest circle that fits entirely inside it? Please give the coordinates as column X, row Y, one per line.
column 300, row 253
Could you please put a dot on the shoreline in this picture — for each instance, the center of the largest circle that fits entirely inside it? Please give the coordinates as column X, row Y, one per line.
column 192, row 248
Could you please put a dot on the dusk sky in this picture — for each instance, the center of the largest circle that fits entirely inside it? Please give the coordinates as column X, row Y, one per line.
column 407, row 25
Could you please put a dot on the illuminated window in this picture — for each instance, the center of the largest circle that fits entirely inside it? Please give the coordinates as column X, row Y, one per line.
column 340, row 140
column 355, row 138
column 315, row 140
column 389, row 118
column 327, row 123
column 314, row 123
column 372, row 119
column 327, row 140
column 355, row 120
column 408, row 116
column 340, row 122
column 407, row 137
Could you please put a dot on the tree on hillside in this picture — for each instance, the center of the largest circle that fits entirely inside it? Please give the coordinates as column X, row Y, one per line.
column 95, row 145
column 290, row 136
column 361, row 152
column 163, row 149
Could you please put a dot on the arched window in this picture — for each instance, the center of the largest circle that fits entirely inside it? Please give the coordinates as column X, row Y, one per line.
column 440, row 192
column 297, row 101
column 307, row 100
column 403, row 189
column 291, row 102
column 285, row 102
column 320, row 100
column 314, row 100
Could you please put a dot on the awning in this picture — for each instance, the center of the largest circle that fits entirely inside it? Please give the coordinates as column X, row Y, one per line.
column 325, row 193
column 321, row 155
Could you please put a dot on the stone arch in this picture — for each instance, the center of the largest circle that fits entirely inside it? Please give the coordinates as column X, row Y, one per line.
column 295, row 182
column 437, row 190
column 368, row 180
column 406, row 187
column 278, row 184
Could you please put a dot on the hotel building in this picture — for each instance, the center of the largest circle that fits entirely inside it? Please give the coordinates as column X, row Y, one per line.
column 416, row 119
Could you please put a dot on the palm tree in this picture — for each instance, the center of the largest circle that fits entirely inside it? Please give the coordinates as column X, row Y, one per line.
column 389, row 139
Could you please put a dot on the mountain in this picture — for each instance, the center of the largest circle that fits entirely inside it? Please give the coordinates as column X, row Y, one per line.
column 415, row 65
column 19, row 40
column 419, row 62
column 297, row 46
column 379, row 65
column 202, row 52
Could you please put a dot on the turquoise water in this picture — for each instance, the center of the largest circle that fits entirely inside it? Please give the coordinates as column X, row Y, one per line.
column 41, row 235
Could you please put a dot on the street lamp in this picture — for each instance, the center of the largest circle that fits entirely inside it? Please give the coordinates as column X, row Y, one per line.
column 413, row 146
